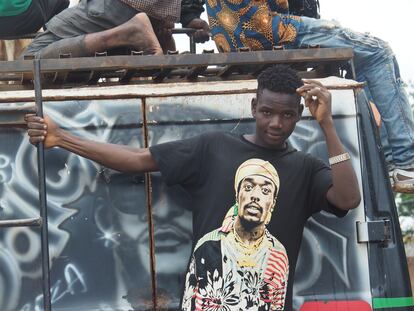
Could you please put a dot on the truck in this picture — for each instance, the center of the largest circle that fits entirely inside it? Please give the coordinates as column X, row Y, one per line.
column 78, row 236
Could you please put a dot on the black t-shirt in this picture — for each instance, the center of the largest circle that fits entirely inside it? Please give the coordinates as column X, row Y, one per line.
column 205, row 166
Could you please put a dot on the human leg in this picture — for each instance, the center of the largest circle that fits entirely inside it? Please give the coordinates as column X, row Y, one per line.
column 102, row 25
column 375, row 61
column 41, row 41
column 137, row 33
column 386, row 148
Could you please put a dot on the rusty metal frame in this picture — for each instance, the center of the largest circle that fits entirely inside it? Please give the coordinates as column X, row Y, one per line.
column 29, row 222
column 47, row 304
column 172, row 68
column 41, row 221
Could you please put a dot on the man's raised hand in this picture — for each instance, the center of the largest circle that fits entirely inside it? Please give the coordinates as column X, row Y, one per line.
column 317, row 99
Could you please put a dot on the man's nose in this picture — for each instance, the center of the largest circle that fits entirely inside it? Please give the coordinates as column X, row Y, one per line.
column 276, row 122
column 167, row 203
column 255, row 195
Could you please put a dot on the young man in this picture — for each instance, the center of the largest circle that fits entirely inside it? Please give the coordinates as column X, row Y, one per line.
column 260, row 25
column 205, row 165
column 98, row 26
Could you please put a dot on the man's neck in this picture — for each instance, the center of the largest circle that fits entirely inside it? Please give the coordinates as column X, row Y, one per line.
column 248, row 235
column 252, row 138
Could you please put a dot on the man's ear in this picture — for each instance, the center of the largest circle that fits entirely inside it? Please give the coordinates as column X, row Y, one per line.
column 301, row 107
column 254, row 106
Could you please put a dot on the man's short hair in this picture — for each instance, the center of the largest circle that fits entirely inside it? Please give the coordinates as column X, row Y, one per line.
column 279, row 79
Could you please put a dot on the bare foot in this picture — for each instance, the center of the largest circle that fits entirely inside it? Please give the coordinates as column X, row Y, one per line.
column 166, row 40
column 163, row 31
column 139, row 34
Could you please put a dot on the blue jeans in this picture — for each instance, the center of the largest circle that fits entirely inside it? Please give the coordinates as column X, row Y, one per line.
column 375, row 63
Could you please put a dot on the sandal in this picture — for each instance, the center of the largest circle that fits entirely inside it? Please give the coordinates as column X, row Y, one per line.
column 403, row 185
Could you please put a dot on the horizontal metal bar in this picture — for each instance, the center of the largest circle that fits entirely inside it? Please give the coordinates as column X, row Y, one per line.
column 146, row 62
column 29, row 222
column 13, row 114
column 183, row 30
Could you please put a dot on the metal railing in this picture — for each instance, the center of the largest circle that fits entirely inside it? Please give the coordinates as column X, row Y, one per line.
column 42, row 220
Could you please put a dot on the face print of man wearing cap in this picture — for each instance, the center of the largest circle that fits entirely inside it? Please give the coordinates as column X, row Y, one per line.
column 256, row 189
column 241, row 266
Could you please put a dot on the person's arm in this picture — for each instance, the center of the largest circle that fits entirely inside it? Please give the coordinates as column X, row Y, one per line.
column 344, row 193
column 190, row 18
column 117, row 157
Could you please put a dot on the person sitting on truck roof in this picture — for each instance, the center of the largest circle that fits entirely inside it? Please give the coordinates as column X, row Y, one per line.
column 22, row 17
column 205, row 165
column 260, row 25
column 99, row 26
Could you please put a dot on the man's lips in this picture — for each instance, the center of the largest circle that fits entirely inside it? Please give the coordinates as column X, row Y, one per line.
column 274, row 135
column 168, row 237
column 253, row 209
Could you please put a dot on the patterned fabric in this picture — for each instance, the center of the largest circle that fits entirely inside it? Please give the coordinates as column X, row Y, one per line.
column 166, row 10
column 258, row 24
column 217, row 279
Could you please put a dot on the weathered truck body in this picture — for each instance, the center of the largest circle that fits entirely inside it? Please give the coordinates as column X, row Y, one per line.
column 122, row 242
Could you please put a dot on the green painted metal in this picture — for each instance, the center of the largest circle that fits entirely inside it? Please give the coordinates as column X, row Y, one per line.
column 380, row 303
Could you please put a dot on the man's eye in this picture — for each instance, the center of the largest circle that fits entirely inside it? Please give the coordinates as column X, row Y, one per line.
column 265, row 191
column 267, row 113
column 248, row 187
column 288, row 115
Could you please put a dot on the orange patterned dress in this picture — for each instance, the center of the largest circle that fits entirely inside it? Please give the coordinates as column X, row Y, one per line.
column 255, row 24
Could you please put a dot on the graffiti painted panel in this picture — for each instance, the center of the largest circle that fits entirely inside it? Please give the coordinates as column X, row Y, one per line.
column 94, row 257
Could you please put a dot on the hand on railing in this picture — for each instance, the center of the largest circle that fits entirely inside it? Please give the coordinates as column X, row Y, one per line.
column 202, row 30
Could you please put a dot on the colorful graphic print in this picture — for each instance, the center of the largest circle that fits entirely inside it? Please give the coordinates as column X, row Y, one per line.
column 258, row 24
column 226, row 271
column 215, row 280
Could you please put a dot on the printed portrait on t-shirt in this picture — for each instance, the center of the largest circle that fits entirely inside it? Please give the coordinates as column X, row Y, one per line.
column 241, row 266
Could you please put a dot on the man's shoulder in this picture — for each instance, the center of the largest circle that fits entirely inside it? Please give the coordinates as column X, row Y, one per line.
column 212, row 236
column 276, row 244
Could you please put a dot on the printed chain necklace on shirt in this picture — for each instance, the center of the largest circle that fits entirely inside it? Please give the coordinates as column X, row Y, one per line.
column 247, row 250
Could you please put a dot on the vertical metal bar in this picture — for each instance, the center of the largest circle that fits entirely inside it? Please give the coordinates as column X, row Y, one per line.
column 47, row 304
column 353, row 69
column 192, row 44
column 148, row 191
